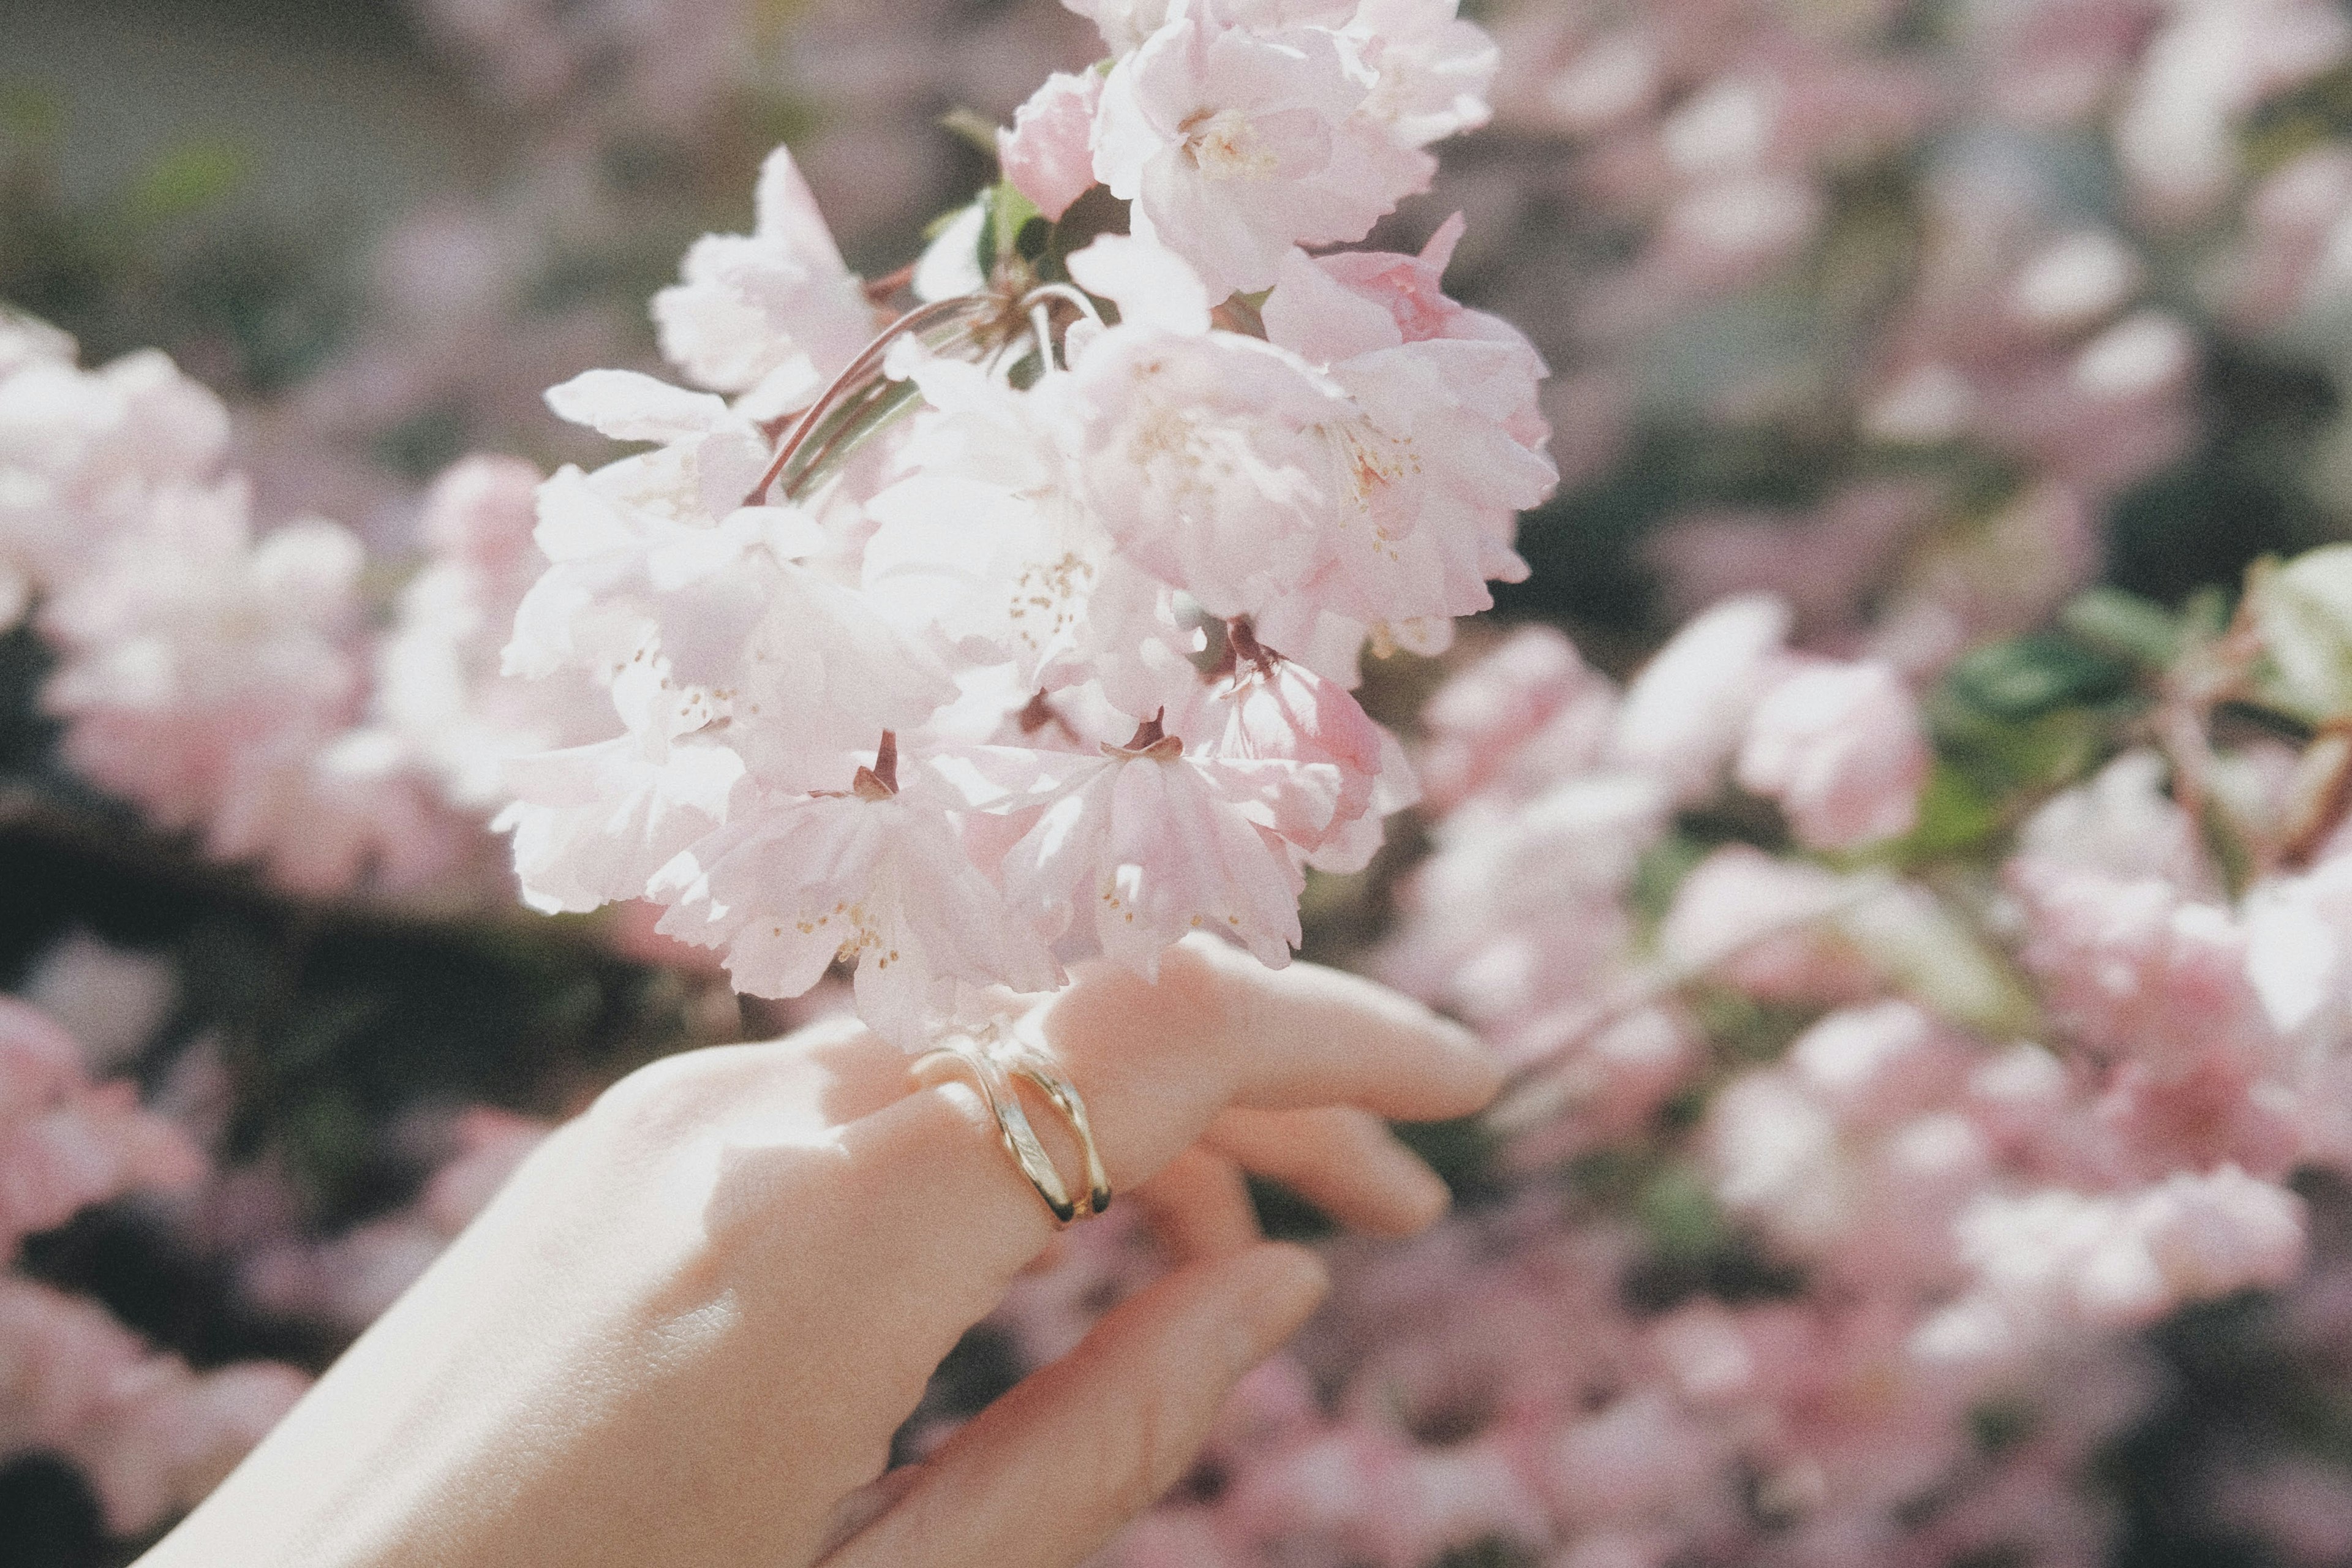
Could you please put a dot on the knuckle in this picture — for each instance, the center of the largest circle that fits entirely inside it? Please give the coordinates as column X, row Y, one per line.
column 656, row 1104
column 1154, row 1447
column 1193, row 1002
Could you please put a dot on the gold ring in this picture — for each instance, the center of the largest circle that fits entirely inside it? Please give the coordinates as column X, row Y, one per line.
column 995, row 1078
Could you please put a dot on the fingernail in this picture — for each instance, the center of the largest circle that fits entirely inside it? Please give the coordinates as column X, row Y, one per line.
column 1455, row 1038
column 1290, row 1282
column 1471, row 1049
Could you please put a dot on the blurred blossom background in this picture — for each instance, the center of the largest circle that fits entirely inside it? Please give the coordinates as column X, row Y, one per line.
column 1929, row 982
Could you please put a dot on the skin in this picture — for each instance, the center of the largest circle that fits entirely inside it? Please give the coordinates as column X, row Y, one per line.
column 686, row 1330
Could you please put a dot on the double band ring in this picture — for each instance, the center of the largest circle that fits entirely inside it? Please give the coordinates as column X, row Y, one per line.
column 994, row 1065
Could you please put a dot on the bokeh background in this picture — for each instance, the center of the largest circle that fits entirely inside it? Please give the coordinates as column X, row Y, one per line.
column 1926, row 315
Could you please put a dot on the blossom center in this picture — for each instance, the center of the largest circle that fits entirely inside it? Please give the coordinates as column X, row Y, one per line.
column 1224, row 145
column 1046, row 598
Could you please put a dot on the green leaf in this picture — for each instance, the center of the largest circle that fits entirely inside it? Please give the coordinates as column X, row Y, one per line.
column 2125, row 625
column 188, row 178
column 1009, row 212
column 1679, row 1214
column 950, row 218
column 1937, row 957
column 1092, row 216
column 2027, row 677
column 1956, row 813
column 1660, row 870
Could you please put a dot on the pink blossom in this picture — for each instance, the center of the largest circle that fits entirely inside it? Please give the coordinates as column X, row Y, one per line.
column 774, row 314
column 2296, row 260
column 65, row 1143
column 1430, row 461
column 1047, row 154
column 151, row 1436
column 1527, row 712
column 2298, row 952
column 2204, row 70
column 2134, row 969
column 1841, row 748
column 438, row 687
column 1491, row 900
column 1431, row 68
column 594, row 822
column 210, row 678
column 2122, row 822
column 2123, row 1260
column 1684, row 715
column 2221, row 1112
column 110, row 1000
column 1639, row 1460
column 1864, row 1176
column 1768, row 926
column 1234, row 146
column 873, row 878
column 985, row 541
column 1205, row 455
column 82, row 453
column 1133, row 849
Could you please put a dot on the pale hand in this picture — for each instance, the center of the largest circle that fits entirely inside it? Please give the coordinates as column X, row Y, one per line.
column 686, row 1331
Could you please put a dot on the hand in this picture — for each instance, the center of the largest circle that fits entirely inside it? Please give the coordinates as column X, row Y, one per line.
column 686, row 1330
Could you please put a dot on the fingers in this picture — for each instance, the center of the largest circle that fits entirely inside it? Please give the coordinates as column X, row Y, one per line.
column 1218, row 1020
column 1343, row 1161
column 1156, row 1064
column 1199, row 1207
column 1043, row 1477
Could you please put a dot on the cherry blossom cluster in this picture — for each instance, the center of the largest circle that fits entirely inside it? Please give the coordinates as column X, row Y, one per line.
column 1977, row 1121
column 1022, row 630
column 213, row 677
column 1487, row 1394
column 235, row 682
column 151, row 1435
column 1911, row 272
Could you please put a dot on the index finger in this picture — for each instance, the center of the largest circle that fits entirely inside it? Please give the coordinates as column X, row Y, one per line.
column 1271, row 1039
column 1155, row 1062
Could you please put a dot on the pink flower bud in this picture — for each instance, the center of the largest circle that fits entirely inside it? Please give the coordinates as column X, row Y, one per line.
column 1046, row 154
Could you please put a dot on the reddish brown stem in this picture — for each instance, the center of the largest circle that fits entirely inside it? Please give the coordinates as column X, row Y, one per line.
column 880, row 290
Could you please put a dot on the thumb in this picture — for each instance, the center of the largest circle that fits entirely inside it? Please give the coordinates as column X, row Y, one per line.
column 1044, row 1476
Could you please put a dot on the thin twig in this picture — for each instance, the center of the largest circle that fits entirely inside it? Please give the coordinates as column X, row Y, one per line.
column 852, row 375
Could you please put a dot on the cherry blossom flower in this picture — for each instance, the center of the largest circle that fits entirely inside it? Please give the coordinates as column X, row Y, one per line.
column 1235, row 145
column 774, row 314
column 1839, row 747
column 1431, row 459
column 868, row 878
column 83, row 452
column 1431, row 70
column 152, row 1435
column 1685, row 714
column 211, row 678
column 1529, row 711
column 1193, row 829
column 437, row 684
